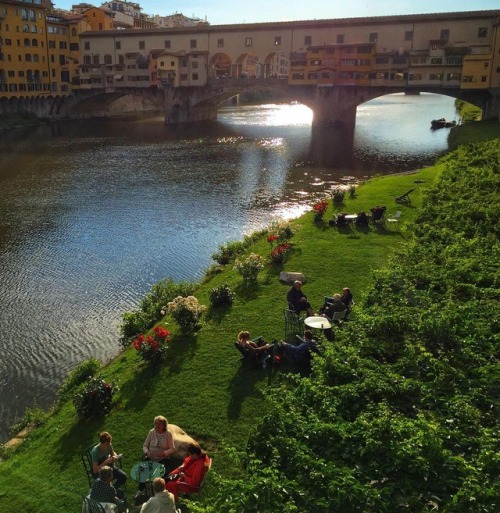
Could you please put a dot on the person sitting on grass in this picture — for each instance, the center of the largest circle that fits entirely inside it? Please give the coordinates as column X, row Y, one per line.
column 162, row 500
column 103, row 491
column 188, row 477
column 298, row 354
column 254, row 347
column 297, row 299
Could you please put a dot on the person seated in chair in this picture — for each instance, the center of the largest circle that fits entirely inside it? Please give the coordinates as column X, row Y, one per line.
column 103, row 491
column 362, row 219
column 340, row 219
column 162, row 501
column 188, row 477
column 298, row 299
column 300, row 353
column 378, row 212
column 346, row 297
column 159, row 444
column 103, row 454
column 335, row 306
column 257, row 348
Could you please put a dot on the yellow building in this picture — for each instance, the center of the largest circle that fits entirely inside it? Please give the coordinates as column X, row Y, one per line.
column 476, row 71
column 99, row 19
column 24, row 61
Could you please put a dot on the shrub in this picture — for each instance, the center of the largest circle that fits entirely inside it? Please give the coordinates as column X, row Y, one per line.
column 33, row 417
column 338, row 197
column 221, row 296
column 95, row 399
column 151, row 307
column 249, row 267
column 186, row 311
column 228, row 252
column 82, row 373
column 153, row 348
column 283, row 231
column 320, row 209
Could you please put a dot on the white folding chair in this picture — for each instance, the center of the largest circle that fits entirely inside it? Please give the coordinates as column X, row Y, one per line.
column 394, row 219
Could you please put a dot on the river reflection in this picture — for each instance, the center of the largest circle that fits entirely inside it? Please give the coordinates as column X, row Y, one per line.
column 93, row 213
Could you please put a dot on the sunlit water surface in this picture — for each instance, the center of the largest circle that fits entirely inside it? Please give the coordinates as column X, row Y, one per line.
column 92, row 214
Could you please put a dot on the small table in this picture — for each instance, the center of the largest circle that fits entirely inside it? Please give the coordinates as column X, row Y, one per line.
column 146, row 471
column 317, row 322
column 351, row 217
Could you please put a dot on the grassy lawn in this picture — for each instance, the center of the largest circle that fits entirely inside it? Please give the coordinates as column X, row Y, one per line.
column 202, row 386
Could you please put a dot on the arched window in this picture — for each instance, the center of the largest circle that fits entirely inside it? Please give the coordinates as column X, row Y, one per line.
column 32, row 15
column 29, row 75
column 24, row 14
column 33, row 29
column 35, row 57
column 34, row 42
column 28, row 57
column 1, row 56
column 26, row 41
column 26, row 27
column 73, row 32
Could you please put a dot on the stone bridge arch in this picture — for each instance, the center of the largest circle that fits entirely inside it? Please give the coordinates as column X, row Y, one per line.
column 220, row 66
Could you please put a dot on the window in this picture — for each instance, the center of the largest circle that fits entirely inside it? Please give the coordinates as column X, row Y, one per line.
column 167, row 43
column 142, row 45
column 74, row 47
column 28, row 57
column 220, row 43
column 307, row 40
column 95, row 59
column 34, row 42
column 415, row 76
column 62, row 45
column 340, row 38
column 27, row 42
column 86, row 45
column 108, row 59
column 193, row 43
column 118, row 45
column 373, row 37
column 194, row 65
column 35, row 58
column 408, row 35
column 445, row 34
column 248, row 41
column 277, row 41
column 482, row 32
column 8, row 42
column 436, row 76
column 382, row 60
column 436, row 60
column 195, row 76
column 454, row 60
column 62, row 60
column 453, row 76
column 52, row 44
column 184, row 76
column 73, row 32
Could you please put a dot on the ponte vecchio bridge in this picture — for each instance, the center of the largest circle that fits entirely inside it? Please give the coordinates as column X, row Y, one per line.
column 332, row 66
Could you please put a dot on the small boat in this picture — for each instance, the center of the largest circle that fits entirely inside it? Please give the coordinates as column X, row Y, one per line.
column 442, row 123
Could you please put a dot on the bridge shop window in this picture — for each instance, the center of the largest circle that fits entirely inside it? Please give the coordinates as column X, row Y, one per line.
column 248, row 41
column 307, row 40
column 453, row 76
column 373, row 37
column 445, row 34
column 340, row 38
column 142, row 45
column 193, row 43
column 86, row 45
column 436, row 60
column 415, row 76
column 482, row 32
column 277, row 40
column 220, row 43
column 167, row 43
column 408, row 35
column 118, row 45
column 436, row 76
column 381, row 60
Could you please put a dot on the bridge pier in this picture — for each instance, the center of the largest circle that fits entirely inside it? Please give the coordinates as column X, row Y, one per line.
column 187, row 105
column 336, row 106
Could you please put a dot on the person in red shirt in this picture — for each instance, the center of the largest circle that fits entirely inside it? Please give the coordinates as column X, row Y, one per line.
column 188, row 477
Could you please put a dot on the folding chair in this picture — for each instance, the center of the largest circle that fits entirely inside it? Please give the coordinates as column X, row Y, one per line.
column 92, row 506
column 394, row 219
column 405, row 198
column 293, row 323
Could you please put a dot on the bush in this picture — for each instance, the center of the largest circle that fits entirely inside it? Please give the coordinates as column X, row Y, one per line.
column 338, row 197
column 229, row 251
column 186, row 311
column 33, row 417
column 153, row 348
column 221, row 296
column 249, row 267
column 152, row 307
column 283, row 231
column 95, row 399
column 320, row 209
column 81, row 374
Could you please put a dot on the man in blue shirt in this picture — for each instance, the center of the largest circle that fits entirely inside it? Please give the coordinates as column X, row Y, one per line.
column 298, row 354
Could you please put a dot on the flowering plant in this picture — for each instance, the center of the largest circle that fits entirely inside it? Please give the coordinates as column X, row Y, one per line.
column 320, row 209
column 186, row 311
column 95, row 399
column 249, row 267
column 278, row 253
column 152, row 348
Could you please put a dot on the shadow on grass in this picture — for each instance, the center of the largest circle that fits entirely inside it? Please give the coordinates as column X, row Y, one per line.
column 217, row 313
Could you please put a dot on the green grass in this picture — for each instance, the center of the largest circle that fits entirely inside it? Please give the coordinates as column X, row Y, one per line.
column 202, row 387
column 474, row 131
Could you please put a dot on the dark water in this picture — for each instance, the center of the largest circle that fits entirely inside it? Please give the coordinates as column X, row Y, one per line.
column 92, row 214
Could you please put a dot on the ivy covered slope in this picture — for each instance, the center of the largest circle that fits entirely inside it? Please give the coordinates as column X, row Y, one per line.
column 400, row 413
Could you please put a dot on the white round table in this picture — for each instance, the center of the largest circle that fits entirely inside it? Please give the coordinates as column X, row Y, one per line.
column 317, row 322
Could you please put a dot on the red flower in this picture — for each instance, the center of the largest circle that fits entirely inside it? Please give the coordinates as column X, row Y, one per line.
column 154, row 345
column 272, row 238
column 161, row 332
column 277, row 359
column 137, row 343
column 140, row 338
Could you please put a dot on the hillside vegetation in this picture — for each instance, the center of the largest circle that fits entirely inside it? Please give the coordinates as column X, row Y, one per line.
column 399, row 413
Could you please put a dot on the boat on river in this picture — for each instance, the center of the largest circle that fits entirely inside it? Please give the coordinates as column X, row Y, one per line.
column 442, row 123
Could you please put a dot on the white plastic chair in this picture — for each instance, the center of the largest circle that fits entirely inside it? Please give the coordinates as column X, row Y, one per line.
column 339, row 316
column 395, row 218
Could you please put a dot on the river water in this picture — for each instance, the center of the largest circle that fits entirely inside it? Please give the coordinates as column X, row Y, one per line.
column 93, row 213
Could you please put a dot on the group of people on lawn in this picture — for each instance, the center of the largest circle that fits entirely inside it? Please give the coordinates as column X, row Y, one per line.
column 298, row 302
column 159, row 446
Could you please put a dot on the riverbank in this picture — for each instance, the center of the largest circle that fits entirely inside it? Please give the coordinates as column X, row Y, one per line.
column 202, row 387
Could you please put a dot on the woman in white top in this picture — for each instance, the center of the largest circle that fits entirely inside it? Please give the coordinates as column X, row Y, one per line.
column 159, row 445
